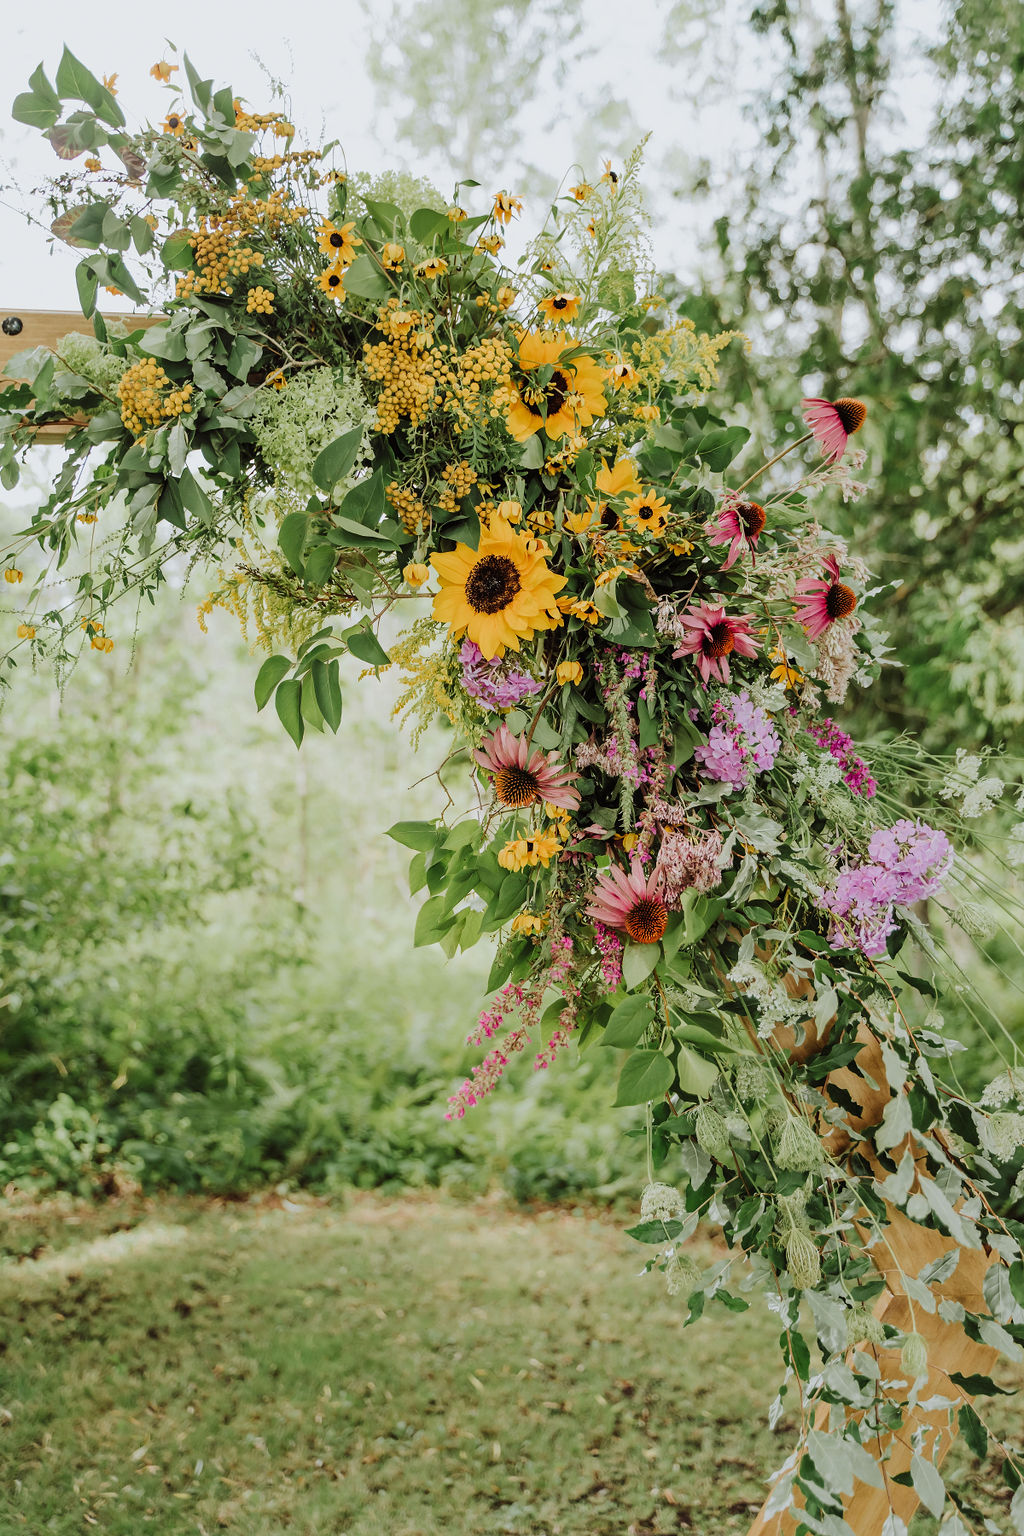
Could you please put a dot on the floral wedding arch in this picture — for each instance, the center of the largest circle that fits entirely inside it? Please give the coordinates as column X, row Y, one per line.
column 512, row 485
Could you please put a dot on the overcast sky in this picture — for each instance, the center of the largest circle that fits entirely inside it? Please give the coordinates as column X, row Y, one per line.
column 319, row 51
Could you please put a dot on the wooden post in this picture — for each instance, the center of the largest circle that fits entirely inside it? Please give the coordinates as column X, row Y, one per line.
column 21, row 329
column 910, row 1248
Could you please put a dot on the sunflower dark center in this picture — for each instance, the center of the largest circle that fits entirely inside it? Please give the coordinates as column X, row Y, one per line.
column 559, row 301
column 751, row 518
column 557, row 392
column 492, row 584
column 840, row 600
column 851, row 414
column 647, row 920
column 516, row 787
column 718, row 641
column 645, row 511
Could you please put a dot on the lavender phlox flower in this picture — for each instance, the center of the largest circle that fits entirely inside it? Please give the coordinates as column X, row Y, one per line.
column 906, row 863
column 495, row 683
column 741, row 741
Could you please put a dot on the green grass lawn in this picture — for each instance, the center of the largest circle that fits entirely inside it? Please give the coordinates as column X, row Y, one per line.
column 398, row 1367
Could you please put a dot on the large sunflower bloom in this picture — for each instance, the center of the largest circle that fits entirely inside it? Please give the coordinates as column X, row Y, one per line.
column 498, row 594
column 572, row 398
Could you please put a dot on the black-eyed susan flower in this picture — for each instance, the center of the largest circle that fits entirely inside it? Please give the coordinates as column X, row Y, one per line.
column 434, row 266
column 560, row 306
column 528, row 922
column 647, row 513
column 174, row 123
column 338, row 242
column 506, row 207
column 498, row 594
column 622, row 374
column 162, row 70
column 392, row 256
column 581, row 192
column 91, row 163
column 572, row 398
column 276, row 380
column 415, row 574
column 490, row 243
column 110, row 84
column 330, row 281
column 456, row 214
column 610, row 177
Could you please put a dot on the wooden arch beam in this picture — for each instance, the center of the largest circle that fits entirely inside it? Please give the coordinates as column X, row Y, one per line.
column 21, row 329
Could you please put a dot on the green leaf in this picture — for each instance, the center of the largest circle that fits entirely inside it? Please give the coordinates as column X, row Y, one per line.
column 74, row 80
column 87, row 282
column 979, row 1386
column 291, row 538
column 432, row 921
column 334, row 462
column 142, row 234
column 310, row 708
column 243, row 357
column 973, row 1430
column 328, row 697
column 268, row 677
column 319, row 564
column 365, row 502
column 39, row 106
column 195, row 499
column 695, row 1073
column 159, row 341
column 655, row 1231
column 177, row 254
column 718, row 449
column 177, row 448
column 628, row 1022
column 87, row 226
column 365, row 279
column 532, row 456
column 425, row 223
column 288, row 702
column 645, row 1075
column 928, row 1484
column 638, row 961
column 367, row 647
column 419, row 835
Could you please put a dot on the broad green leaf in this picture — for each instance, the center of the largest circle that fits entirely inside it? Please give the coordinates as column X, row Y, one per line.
column 628, row 1022
column 645, row 1075
column 638, row 961
column 39, row 106
column 319, row 563
column 432, row 921
column 973, row 1430
column 87, row 282
column 288, row 701
column 655, row 1231
column 195, row 499
column 327, row 697
column 177, row 254
column 365, row 279
column 425, row 223
column 310, row 708
column 928, row 1484
column 367, row 647
column 291, row 537
column 334, row 462
column 420, row 835
column 74, row 80
column 695, row 1073
column 268, row 677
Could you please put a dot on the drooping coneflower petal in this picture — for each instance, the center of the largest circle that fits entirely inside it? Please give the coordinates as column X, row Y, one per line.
column 833, row 423
column 522, row 778
column 630, row 902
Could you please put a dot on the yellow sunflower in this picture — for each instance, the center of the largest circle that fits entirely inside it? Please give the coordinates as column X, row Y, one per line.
column 621, row 479
column 498, row 594
column 571, row 398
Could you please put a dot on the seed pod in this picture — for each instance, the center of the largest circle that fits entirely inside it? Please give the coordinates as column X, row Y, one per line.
column 802, row 1260
column 914, row 1356
column 865, row 1327
column 682, row 1276
column 798, row 1148
column 712, row 1133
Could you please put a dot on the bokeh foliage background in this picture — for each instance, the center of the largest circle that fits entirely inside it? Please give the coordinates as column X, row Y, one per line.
column 206, row 978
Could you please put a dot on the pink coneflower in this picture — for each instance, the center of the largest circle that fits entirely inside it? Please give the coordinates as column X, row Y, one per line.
column 630, row 902
column 739, row 524
column 521, row 778
column 712, row 637
column 833, row 423
column 823, row 599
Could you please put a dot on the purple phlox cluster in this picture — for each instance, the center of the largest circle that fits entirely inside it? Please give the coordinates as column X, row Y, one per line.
column 906, row 863
column 495, row 683
column 741, row 741
column 840, row 746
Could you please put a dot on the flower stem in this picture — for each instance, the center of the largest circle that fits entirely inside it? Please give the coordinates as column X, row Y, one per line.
column 789, row 449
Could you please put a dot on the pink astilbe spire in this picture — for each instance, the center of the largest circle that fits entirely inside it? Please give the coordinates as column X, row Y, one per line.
column 631, row 902
column 522, row 778
column 821, row 600
column 738, row 524
column 711, row 637
column 833, row 423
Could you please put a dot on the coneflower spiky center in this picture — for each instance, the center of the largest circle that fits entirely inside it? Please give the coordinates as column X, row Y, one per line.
column 492, row 584
column 840, row 600
column 751, row 518
column 851, row 414
column 516, row 787
column 646, row 920
column 718, row 641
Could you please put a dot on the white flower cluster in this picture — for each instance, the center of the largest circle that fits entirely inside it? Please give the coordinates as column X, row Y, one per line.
column 820, row 776
column 962, row 783
column 774, row 1002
